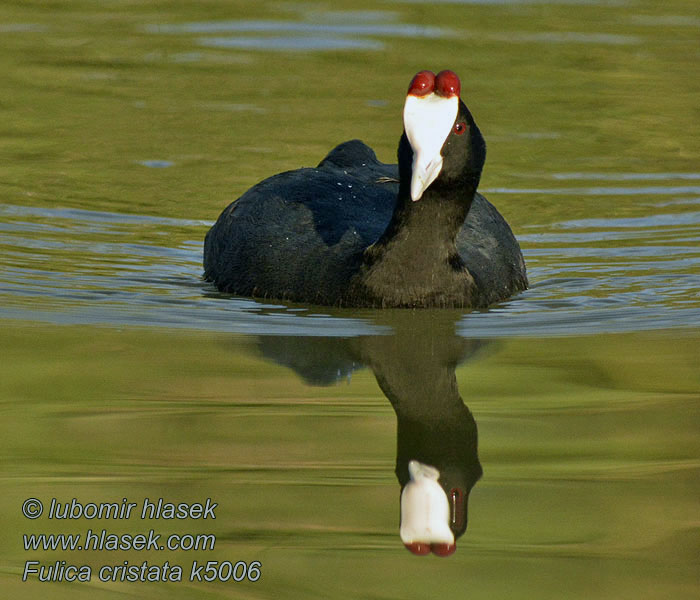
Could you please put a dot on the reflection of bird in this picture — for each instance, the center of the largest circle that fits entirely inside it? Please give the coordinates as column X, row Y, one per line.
column 437, row 459
column 345, row 234
column 425, row 513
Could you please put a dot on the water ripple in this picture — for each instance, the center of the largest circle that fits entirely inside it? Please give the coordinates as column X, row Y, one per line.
column 602, row 191
column 65, row 265
column 303, row 36
column 291, row 43
column 387, row 29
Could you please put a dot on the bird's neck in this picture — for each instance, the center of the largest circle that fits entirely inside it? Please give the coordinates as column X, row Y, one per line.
column 429, row 225
column 417, row 255
column 426, row 230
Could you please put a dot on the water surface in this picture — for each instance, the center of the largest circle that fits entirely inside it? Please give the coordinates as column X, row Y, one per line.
column 128, row 128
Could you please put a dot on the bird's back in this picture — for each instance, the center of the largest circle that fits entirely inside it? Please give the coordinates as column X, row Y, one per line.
column 300, row 235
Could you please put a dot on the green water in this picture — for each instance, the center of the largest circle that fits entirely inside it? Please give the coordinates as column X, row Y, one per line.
column 126, row 127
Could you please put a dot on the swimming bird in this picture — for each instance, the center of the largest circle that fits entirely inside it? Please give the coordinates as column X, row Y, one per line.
column 356, row 232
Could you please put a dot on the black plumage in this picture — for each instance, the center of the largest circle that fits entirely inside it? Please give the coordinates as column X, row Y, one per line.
column 347, row 233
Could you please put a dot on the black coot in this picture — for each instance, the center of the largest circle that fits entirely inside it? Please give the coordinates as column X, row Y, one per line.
column 357, row 232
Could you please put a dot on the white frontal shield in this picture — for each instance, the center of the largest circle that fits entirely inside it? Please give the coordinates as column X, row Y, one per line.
column 427, row 121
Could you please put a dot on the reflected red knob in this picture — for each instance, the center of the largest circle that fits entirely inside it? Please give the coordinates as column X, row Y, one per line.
column 443, row 549
column 420, row 548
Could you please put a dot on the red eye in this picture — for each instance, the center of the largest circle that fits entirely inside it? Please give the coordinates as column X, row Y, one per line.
column 460, row 128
